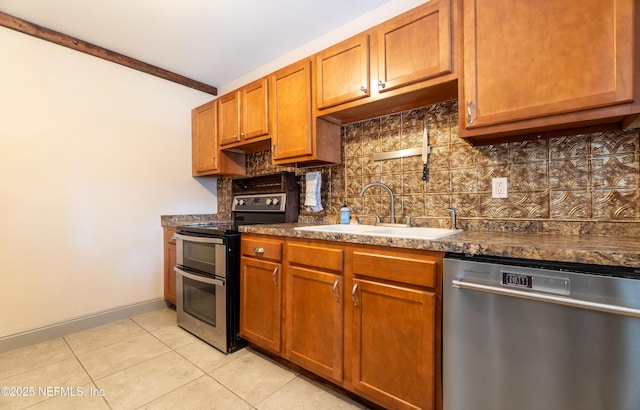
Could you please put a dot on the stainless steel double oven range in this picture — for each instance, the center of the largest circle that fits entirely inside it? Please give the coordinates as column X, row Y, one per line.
column 208, row 260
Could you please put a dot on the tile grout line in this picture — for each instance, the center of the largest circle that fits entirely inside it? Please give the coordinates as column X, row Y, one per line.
column 278, row 390
column 94, row 381
column 224, row 385
column 171, row 349
column 64, row 338
column 205, row 373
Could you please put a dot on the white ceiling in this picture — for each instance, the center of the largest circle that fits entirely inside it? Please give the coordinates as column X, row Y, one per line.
column 211, row 41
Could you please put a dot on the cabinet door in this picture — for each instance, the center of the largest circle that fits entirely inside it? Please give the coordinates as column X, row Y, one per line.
column 526, row 60
column 314, row 321
column 169, row 263
column 255, row 110
column 342, row 72
column 260, row 302
column 291, row 110
column 229, row 118
column 415, row 46
column 204, row 144
column 394, row 345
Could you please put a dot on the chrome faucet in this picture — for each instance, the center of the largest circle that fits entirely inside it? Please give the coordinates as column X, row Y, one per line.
column 381, row 185
column 454, row 215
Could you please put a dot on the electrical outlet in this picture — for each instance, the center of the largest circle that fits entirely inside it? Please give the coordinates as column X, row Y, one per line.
column 499, row 188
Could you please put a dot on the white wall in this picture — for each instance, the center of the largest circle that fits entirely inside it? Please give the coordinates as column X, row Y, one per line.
column 91, row 154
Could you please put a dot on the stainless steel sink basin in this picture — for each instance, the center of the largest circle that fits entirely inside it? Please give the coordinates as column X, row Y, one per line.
column 417, row 233
column 381, row 230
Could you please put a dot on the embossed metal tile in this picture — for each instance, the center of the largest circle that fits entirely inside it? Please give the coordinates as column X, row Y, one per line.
column 584, row 177
column 532, row 176
column 615, row 204
column 524, row 205
column 529, row 151
column 569, row 174
column 575, row 204
column 576, row 146
column 489, row 155
column 614, row 142
column 463, row 156
column 619, row 171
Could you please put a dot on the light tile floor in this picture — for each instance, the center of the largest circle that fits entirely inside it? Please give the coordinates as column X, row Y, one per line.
column 148, row 362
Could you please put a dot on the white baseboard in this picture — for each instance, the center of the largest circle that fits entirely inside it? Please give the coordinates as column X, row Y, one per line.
column 60, row 329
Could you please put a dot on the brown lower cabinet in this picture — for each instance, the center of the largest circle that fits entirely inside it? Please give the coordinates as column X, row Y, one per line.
column 366, row 318
column 315, row 308
column 169, row 263
column 261, row 292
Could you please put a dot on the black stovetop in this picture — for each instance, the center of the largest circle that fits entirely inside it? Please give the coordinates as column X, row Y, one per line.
column 208, row 228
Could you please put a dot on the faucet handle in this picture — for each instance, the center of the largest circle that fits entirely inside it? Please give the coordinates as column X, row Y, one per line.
column 409, row 217
column 454, row 215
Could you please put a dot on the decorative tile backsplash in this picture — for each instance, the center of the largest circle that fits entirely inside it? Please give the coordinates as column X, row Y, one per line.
column 578, row 178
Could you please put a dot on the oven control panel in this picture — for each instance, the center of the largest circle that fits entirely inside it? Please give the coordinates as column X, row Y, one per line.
column 259, row 202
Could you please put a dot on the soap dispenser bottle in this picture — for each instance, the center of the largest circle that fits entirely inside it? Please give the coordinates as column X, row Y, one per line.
column 345, row 214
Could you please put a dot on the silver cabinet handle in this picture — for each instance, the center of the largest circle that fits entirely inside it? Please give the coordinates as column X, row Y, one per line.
column 335, row 286
column 258, row 251
column 353, row 295
column 601, row 307
column 381, row 84
column 242, row 134
column 235, row 137
column 469, row 115
column 363, row 88
column 274, row 276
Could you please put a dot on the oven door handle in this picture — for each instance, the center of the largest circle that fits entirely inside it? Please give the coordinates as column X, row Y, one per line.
column 199, row 239
column 198, row 278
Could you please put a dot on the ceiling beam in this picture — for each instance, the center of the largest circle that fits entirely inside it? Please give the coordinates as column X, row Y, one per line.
column 44, row 33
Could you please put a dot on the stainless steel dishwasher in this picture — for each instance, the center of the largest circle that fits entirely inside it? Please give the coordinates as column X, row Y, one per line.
column 525, row 335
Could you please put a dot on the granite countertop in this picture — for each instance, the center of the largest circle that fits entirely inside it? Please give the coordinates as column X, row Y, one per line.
column 176, row 220
column 589, row 249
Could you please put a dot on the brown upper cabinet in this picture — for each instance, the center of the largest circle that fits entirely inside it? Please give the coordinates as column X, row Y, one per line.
column 393, row 66
column 415, row 46
column 297, row 136
column 545, row 66
column 519, row 70
column 207, row 159
column 343, row 72
column 243, row 118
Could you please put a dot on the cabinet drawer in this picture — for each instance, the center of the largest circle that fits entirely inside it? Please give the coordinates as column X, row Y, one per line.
column 406, row 268
column 316, row 256
column 262, row 248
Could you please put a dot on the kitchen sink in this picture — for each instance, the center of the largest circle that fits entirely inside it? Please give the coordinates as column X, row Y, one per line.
column 341, row 228
column 405, row 232
column 417, row 232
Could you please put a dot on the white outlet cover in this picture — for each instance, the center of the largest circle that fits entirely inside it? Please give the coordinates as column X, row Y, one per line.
column 499, row 188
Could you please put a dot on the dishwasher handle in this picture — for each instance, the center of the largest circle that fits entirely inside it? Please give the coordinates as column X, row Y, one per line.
column 583, row 304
